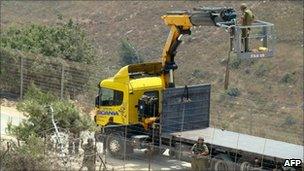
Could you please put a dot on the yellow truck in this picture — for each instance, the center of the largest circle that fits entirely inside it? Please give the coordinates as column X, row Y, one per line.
column 140, row 105
column 120, row 96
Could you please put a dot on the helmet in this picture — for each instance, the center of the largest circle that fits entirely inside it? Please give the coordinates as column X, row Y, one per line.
column 243, row 6
column 200, row 138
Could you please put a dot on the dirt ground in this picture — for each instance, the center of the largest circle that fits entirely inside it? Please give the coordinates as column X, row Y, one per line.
column 9, row 113
column 139, row 161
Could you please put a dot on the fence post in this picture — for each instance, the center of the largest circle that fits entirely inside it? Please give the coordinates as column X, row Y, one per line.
column 62, row 82
column 21, row 77
column 250, row 124
column 125, row 148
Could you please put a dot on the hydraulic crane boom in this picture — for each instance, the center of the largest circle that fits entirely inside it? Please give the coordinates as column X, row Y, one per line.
column 180, row 23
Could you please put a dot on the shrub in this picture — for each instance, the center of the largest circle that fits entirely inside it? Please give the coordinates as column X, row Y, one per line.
column 289, row 121
column 128, row 54
column 288, row 78
column 67, row 41
column 39, row 122
column 233, row 91
column 29, row 156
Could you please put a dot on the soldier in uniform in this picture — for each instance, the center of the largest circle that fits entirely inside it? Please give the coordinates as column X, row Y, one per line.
column 246, row 20
column 89, row 157
column 199, row 151
column 74, row 139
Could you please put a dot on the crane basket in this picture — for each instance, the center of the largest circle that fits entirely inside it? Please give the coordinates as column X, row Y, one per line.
column 261, row 39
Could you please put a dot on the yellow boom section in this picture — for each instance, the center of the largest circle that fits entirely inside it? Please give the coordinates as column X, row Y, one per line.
column 179, row 24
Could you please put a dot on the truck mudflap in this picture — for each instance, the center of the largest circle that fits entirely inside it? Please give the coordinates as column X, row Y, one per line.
column 185, row 108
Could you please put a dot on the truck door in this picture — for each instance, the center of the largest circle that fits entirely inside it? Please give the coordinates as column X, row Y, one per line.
column 110, row 106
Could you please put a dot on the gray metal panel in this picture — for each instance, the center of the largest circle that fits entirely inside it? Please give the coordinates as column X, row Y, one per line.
column 179, row 115
column 244, row 142
column 252, row 55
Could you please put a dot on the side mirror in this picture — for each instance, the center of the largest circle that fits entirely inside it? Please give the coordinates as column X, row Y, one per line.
column 97, row 101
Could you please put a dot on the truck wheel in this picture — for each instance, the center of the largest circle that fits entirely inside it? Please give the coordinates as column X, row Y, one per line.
column 245, row 166
column 220, row 165
column 115, row 145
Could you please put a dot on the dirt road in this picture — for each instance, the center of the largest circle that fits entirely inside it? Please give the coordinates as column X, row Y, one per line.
column 137, row 161
column 9, row 115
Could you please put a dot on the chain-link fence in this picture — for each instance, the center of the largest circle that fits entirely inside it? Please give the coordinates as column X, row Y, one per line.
column 66, row 79
column 75, row 81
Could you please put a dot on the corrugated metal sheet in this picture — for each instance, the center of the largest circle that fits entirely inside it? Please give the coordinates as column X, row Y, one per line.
column 186, row 108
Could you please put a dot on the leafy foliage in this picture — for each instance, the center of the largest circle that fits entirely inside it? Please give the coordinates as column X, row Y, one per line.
column 233, row 91
column 128, row 54
column 8, row 63
column 67, row 41
column 288, row 78
column 29, row 156
column 290, row 120
column 39, row 122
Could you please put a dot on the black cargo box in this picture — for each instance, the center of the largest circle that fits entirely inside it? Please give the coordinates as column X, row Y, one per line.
column 185, row 108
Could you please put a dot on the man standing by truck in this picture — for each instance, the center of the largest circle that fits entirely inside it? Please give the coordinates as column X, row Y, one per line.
column 199, row 151
column 89, row 157
column 246, row 20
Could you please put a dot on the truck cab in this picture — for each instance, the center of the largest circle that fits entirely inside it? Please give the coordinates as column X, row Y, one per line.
column 130, row 97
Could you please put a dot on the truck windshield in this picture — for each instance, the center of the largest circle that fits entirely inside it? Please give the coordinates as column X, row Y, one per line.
column 109, row 97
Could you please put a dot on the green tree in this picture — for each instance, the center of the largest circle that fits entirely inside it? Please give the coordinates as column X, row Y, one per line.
column 128, row 54
column 39, row 123
column 66, row 40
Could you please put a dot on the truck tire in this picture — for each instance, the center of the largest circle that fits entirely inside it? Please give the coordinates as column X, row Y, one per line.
column 245, row 166
column 115, row 146
column 220, row 165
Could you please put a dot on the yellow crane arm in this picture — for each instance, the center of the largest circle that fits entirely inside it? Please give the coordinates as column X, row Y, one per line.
column 180, row 23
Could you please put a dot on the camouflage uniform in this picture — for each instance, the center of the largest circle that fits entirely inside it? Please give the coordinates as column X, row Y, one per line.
column 74, row 143
column 89, row 156
column 199, row 162
column 247, row 19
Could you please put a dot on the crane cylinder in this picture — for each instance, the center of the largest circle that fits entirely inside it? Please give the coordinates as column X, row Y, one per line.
column 212, row 16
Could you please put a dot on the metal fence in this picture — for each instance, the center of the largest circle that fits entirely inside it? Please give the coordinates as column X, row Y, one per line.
column 69, row 80
column 78, row 81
